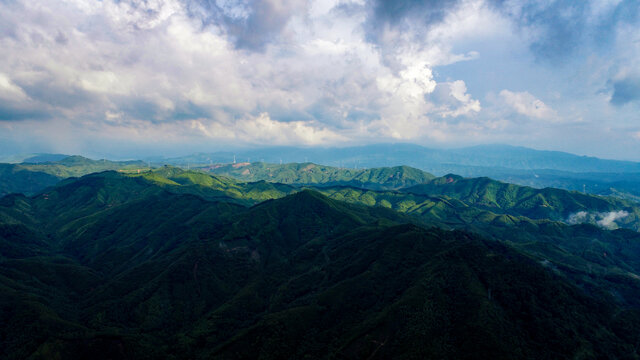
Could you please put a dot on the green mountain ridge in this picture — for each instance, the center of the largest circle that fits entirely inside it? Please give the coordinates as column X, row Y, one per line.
column 127, row 268
column 547, row 203
column 546, row 240
column 31, row 178
column 511, row 164
column 455, row 194
column 32, row 158
column 313, row 174
column 449, row 200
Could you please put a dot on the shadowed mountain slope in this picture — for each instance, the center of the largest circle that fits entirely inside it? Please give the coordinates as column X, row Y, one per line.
column 112, row 267
column 32, row 177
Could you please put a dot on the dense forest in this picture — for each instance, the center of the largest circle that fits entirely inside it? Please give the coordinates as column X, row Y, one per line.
column 391, row 262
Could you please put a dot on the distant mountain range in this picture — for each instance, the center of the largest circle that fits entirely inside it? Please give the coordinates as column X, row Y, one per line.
column 437, row 161
column 32, row 158
column 512, row 164
column 432, row 160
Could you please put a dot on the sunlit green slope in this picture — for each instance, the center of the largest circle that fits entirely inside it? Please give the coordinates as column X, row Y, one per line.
column 313, row 174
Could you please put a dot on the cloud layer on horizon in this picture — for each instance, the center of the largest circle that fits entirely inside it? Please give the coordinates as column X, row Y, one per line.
column 80, row 74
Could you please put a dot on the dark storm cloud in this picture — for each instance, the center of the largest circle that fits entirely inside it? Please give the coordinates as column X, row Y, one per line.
column 251, row 24
column 398, row 13
column 61, row 38
column 266, row 22
column 562, row 28
column 626, row 12
column 562, row 25
column 189, row 110
column 625, row 91
column 58, row 95
column 149, row 110
column 393, row 11
column 9, row 112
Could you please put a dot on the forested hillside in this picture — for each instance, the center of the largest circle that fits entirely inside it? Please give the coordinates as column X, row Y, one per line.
column 177, row 264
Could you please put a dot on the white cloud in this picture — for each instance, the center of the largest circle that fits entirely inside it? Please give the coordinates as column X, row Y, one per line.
column 608, row 219
column 129, row 63
column 577, row 217
column 454, row 101
column 605, row 220
column 174, row 66
column 10, row 91
column 528, row 105
column 263, row 129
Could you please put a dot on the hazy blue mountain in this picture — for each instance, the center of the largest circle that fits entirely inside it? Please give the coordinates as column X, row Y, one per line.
column 31, row 158
column 507, row 163
column 516, row 157
column 428, row 159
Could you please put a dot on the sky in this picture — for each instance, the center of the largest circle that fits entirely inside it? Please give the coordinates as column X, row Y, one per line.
column 127, row 78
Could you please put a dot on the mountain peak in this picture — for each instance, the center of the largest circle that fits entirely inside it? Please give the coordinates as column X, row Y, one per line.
column 448, row 179
column 74, row 160
column 306, row 198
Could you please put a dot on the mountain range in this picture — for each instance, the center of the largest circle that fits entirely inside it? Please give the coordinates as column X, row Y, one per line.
column 383, row 155
column 513, row 164
column 170, row 263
